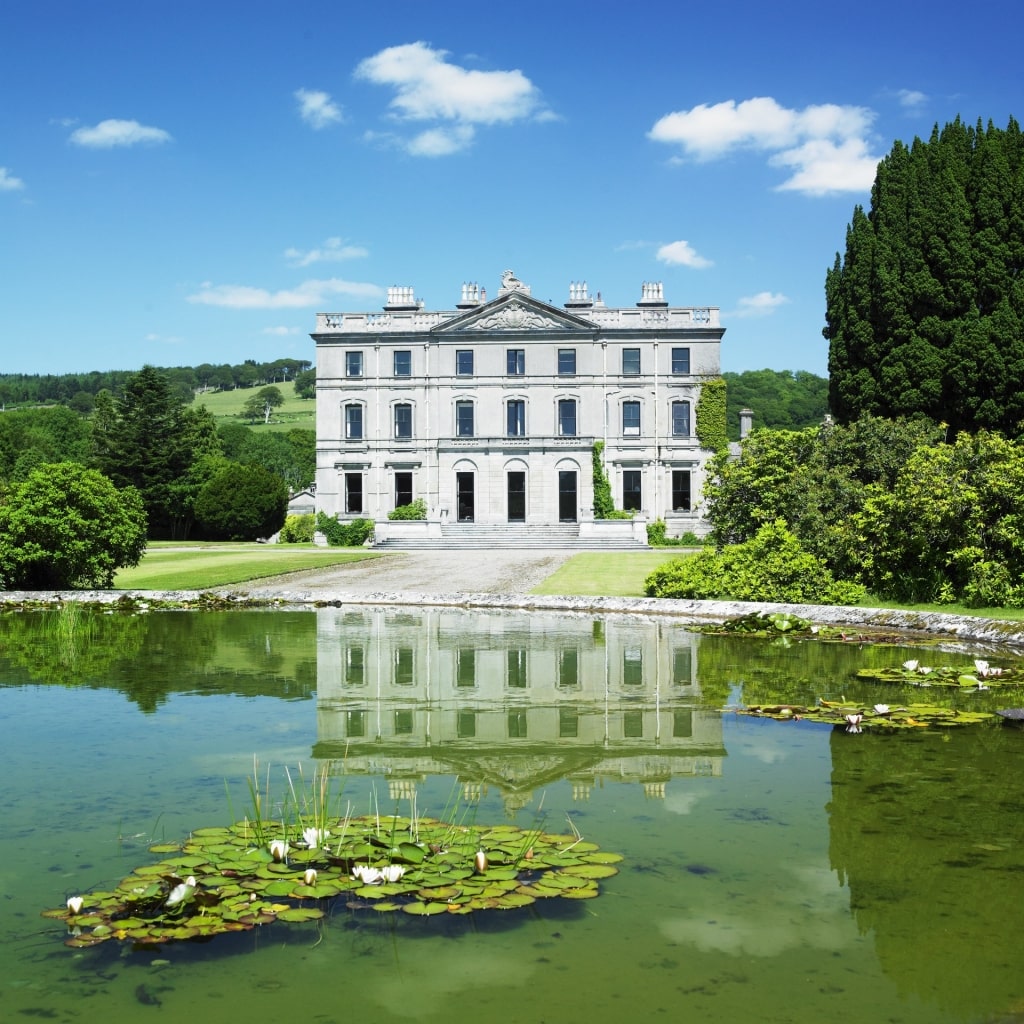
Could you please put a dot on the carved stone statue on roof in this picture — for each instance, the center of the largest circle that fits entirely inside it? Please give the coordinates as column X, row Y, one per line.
column 511, row 283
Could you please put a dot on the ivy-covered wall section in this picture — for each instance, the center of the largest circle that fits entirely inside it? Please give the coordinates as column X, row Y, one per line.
column 710, row 415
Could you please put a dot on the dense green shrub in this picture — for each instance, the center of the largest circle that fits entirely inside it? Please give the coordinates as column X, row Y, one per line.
column 344, row 535
column 242, row 503
column 657, row 537
column 66, row 527
column 298, row 530
column 414, row 510
column 772, row 566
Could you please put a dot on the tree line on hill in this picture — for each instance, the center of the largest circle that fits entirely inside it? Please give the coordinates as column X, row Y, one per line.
column 79, row 390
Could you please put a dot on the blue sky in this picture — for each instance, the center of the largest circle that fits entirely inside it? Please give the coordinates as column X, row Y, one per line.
column 192, row 182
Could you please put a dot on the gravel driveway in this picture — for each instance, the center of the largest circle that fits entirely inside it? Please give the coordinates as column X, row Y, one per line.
column 423, row 572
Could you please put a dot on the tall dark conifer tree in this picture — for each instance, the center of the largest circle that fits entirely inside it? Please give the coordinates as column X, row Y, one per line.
column 925, row 311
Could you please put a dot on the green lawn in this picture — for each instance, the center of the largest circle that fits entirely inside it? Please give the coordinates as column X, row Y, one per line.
column 183, row 566
column 295, row 413
column 611, row 574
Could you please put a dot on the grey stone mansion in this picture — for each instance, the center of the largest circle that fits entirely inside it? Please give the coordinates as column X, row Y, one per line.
column 490, row 411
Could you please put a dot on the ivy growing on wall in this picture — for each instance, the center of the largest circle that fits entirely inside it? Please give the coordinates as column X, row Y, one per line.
column 603, row 504
column 710, row 416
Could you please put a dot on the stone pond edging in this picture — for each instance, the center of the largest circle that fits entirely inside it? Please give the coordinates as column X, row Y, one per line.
column 965, row 628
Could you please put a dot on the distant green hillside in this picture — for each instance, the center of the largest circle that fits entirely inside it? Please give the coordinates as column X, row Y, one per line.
column 227, row 406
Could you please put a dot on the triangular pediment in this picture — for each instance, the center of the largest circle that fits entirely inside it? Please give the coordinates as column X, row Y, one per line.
column 514, row 311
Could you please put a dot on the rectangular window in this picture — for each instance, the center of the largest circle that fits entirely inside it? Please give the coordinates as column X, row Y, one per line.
column 465, row 725
column 355, row 666
column 568, row 668
column 515, row 417
column 403, row 489
column 631, row 490
column 566, row 362
column 353, row 364
column 682, row 666
column 515, row 665
column 353, row 422
column 354, row 493
column 404, row 666
column 465, row 666
column 568, row 723
column 464, row 362
column 403, row 723
column 630, row 419
column 464, row 419
column 680, row 419
column 515, row 362
column 680, row 360
column 567, row 417
column 403, row 363
column 631, row 361
column 680, row 490
column 403, row 421
column 632, row 667
column 517, row 724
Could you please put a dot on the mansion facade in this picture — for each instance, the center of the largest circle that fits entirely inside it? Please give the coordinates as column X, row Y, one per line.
column 490, row 412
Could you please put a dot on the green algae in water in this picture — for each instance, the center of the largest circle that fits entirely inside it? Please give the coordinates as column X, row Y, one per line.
column 223, row 880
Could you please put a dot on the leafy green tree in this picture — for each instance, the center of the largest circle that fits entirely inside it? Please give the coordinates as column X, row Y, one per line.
column 263, row 403
column 242, row 503
column 305, row 383
column 68, row 527
column 815, row 480
column 951, row 528
column 30, row 437
column 925, row 311
column 147, row 438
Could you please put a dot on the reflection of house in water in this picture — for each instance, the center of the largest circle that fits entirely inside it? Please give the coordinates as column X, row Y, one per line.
column 514, row 700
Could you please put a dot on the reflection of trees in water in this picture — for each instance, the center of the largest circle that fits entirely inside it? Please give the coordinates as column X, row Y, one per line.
column 152, row 656
column 928, row 832
column 785, row 671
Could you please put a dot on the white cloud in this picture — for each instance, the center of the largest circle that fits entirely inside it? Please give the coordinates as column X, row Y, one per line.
column 822, row 167
column 761, row 304
column 441, row 141
column 682, row 254
column 429, row 88
column 825, row 143
column 911, row 99
column 307, row 295
column 8, row 182
column 317, row 108
column 280, row 331
column 332, row 251
column 113, row 132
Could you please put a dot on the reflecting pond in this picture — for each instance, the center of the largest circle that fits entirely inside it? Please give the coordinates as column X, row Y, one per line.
column 783, row 871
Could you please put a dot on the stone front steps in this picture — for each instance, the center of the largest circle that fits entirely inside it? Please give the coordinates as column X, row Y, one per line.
column 480, row 537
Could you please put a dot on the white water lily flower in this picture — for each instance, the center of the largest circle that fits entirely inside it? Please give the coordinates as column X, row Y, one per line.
column 981, row 667
column 854, row 719
column 314, row 838
column 910, row 666
column 279, row 849
column 925, row 669
column 75, row 904
column 367, row 875
column 854, row 728
column 310, row 876
column 881, row 709
column 181, row 892
column 392, row 873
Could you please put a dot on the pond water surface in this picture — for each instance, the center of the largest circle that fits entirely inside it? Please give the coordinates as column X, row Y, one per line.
column 777, row 871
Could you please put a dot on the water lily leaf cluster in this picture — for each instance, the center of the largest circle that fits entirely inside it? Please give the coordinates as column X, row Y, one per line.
column 229, row 879
column 857, row 718
column 984, row 676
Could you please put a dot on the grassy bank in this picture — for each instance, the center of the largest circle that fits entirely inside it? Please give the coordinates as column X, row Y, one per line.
column 599, row 574
column 201, row 566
